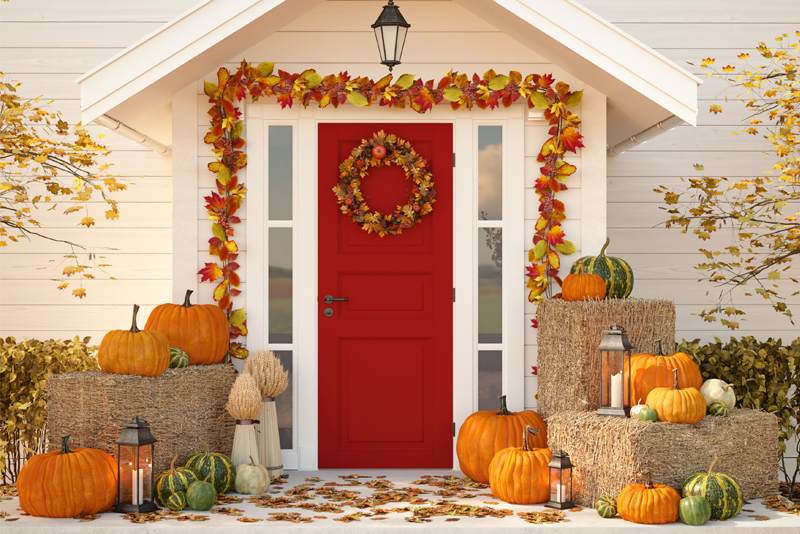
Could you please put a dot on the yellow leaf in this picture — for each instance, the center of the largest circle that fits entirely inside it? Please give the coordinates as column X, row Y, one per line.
column 237, row 317
column 63, row 286
column 80, row 293
column 574, row 99
column 539, row 100
column 405, row 81
column 357, row 99
column 87, row 222
column 552, row 257
column 218, row 231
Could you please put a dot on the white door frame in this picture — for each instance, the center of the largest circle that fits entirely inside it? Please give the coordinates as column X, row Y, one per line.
column 465, row 251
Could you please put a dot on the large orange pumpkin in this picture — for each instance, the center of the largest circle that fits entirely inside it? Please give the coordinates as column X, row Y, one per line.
column 650, row 371
column 648, row 503
column 201, row 331
column 520, row 474
column 678, row 405
column 485, row 433
column 68, row 483
column 583, row 286
column 134, row 352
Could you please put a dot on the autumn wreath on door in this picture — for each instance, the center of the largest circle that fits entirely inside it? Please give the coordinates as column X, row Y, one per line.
column 383, row 150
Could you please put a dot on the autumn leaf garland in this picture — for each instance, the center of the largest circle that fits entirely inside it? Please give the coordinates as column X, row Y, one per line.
column 460, row 91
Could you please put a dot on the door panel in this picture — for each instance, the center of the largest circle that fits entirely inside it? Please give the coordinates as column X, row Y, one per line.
column 385, row 356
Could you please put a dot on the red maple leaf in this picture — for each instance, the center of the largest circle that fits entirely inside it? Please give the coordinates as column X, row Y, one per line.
column 534, row 368
column 210, row 272
column 571, row 139
column 555, row 235
column 424, row 101
column 535, row 325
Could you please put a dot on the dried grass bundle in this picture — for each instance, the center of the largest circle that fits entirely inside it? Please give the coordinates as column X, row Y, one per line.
column 568, row 336
column 271, row 378
column 608, row 451
column 244, row 404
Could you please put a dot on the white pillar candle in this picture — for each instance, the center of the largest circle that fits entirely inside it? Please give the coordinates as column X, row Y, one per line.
column 559, row 493
column 134, row 487
column 616, row 390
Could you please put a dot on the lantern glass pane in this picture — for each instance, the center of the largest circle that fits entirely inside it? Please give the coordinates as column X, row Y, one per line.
column 555, row 484
column 567, row 485
column 135, row 479
column 379, row 39
column 390, row 39
column 611, row 385
column 127, row 457
column 401, row 41
column 146, row 471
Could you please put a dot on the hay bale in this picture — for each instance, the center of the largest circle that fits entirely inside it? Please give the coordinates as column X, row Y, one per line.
column 608, row 451
column 181, row 406
column 568, row 336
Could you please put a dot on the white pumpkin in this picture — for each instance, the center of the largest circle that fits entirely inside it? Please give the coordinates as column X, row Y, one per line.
column 718, row 390
column 252, row 478
column 636, row 409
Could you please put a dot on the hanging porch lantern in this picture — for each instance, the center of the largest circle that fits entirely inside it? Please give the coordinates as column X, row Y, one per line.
column 390, row 32
column 560, row 481
column 135, row 468
column 615, row 373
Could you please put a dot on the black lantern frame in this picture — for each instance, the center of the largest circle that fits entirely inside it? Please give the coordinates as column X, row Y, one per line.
column 136, row 435
column 614, row 352
column 390, row 33
column 559, row 481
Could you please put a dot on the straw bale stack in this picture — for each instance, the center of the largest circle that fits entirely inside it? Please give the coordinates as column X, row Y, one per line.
column 568, row 336
column 181, row 406
column 608, row 451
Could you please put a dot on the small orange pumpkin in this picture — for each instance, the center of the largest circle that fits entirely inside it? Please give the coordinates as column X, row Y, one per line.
column 678, row 405
column 485, row 433
column 201, row 331
column 134, row 351
column 650, row 371
column 648, row 503
column 68, row 483
column 582, row 286
column 520, row 475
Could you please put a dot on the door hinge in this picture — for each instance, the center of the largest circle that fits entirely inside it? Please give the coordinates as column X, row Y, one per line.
column 454, row 294
column 454, row 429
column 454, row 159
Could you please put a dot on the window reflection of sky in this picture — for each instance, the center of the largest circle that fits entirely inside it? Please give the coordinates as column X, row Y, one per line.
column 280, row 156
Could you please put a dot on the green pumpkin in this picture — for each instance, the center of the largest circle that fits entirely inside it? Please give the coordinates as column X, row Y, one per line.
column 616, row 272
column 252, row 478
column 718, row 408
column 178, row 358
column 648, row 413
column 215, row 465
column 606, row 507
column 176, row 501
column 173, row 481
column 694, row 510
column 201, row 495
column 721, row 491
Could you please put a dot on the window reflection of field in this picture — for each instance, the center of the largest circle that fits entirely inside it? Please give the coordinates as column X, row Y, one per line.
column 490, row 303
column 280, row 304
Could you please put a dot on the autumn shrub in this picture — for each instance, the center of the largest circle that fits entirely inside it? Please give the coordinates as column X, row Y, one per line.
column 24, row 369
column 765, row 375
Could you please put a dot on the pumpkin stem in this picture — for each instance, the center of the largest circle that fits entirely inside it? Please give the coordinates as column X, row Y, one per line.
column 252, row 462
column 135, row 328
column 186, row 303
column 205, row 446
column 503, row 407
column 172, row 465
column 675, row 375
column 648, row 479
column 207, row 476
column 658, row 350
column 603, row 250
column 533, row 430
column 65, row 445
column 579, row 264
column 711, row 467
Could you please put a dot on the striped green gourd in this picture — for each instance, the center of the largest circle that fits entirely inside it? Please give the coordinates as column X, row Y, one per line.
column 173, row 481
column 176, row 501
column 721, row 491
column 718, row 408
column 616, row 272
column 606, row 507
column 178, row 358
column 216, row 466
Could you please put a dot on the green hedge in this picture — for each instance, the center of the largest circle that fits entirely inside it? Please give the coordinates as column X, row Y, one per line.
column 24, row 369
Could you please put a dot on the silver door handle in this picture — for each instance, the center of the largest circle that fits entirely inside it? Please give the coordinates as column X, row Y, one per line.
column 328, row 299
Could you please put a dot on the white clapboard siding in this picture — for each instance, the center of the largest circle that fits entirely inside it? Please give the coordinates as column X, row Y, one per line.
column 690, row 12
column 131, row 215
column 17, row 34
column 96, row 11
column 46, row 266
column 104, row 292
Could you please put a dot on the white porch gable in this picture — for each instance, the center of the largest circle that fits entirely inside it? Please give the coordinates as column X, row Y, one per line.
column 136, row 86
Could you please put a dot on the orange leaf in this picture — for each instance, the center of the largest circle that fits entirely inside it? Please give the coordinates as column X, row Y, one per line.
column 555, row 235
column 571, row 139
column 210, row 272
column 552, row 257
column 220, row 290
column 541, row 223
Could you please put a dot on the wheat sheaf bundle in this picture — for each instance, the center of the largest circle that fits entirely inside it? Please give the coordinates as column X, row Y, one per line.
column 244, row 401
column 270, row 376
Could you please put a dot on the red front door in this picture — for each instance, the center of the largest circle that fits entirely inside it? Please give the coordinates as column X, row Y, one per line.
column 386, row 355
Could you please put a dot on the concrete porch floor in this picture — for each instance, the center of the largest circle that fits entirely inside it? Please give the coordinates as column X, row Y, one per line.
column 583, row 521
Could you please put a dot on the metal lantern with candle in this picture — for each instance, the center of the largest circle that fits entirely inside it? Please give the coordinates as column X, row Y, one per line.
column 560, row 481
column 615, row 372
column 135, row 468
column 390, row 32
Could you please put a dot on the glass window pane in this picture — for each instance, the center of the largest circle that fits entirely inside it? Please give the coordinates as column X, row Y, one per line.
column 490, row 285
column 490, row 379
column 280, row 173
column 284, row 404
column 280, row 285
column 490, row 173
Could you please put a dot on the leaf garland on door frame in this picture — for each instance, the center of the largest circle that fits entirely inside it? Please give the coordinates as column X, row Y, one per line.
column 461, row 92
